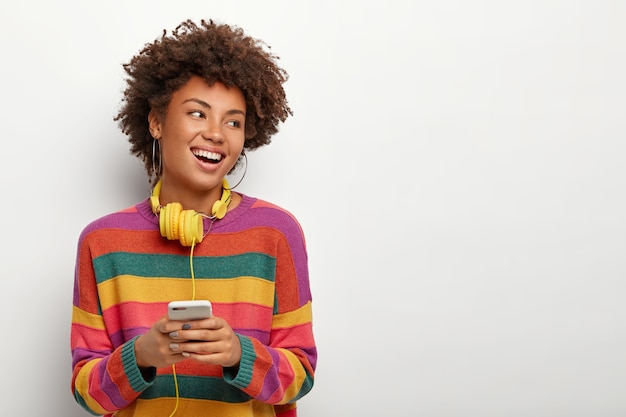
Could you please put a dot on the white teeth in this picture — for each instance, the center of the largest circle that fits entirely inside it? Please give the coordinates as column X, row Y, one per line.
column 208, row 155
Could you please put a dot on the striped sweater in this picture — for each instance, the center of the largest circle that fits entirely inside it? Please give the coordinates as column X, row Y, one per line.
column 253, row 268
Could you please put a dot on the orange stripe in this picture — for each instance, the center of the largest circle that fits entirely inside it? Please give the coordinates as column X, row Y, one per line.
column 116, row 367
column 260, row 369
column 214, row 244
column 286, row 280
column 193, row 368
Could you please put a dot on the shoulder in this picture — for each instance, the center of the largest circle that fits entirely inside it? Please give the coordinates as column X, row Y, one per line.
column 135, row 217
column 255, row 212
column 273, row 210
column 268, row 212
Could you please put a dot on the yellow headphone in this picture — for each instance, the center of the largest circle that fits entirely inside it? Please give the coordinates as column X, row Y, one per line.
column 186, row 225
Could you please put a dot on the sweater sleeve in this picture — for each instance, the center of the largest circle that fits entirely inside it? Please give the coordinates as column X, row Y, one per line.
column 105, row 377
column 278, row 374
column 282, row 371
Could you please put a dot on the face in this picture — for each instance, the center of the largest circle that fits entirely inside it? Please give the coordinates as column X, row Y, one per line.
column 201, row 136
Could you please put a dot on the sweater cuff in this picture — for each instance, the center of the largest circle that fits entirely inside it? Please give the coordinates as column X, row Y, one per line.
column 241, row 376
column 138, row 378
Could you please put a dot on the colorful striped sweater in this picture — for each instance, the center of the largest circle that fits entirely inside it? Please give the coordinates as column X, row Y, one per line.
column 252, row 266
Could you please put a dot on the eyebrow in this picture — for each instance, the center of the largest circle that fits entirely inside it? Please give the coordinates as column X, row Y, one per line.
column 208, row 106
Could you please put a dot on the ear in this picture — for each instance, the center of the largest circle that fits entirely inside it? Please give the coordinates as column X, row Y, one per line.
column 154, row 124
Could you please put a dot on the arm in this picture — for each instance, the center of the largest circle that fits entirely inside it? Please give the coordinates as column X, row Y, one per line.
column 105, row 377
column 282, row 370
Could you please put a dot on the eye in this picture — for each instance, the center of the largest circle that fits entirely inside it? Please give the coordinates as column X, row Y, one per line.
column 196, row 113
column 234, row 123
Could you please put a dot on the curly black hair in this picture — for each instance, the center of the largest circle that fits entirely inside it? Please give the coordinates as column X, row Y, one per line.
column 217, row 53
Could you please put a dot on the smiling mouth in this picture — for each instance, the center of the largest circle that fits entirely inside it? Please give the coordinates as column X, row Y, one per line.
column 206, row 156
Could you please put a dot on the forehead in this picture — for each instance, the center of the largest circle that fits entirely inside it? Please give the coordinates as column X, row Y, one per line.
column 197, row 89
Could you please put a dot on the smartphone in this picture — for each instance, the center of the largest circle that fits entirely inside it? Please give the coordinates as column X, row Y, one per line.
column 189, row 310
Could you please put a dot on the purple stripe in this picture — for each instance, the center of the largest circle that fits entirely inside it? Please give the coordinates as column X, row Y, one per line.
column 261, row 335
column 311, row 354
column 120, row 337
column 272, row 379
column 107, row 385
column 124, row 220
column 78, row 354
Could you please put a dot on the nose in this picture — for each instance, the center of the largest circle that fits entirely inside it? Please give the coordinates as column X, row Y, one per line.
column 213, row 131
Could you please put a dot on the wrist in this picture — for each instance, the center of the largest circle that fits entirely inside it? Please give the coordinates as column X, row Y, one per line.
column 138, row 349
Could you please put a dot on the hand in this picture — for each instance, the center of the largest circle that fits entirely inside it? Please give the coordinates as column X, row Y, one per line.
column 210, row 341
column 153, row 347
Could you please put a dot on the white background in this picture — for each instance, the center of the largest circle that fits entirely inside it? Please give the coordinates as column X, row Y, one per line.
column 458, row 168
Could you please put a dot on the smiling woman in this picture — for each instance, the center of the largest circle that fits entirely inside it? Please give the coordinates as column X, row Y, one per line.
column 201, row 136
column 194, row 102
column 214, row 53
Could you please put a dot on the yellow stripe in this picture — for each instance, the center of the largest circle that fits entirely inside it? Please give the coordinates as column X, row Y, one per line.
column 189, row 407
column 82, row 386
column 126, row 288
column 302, row 315
column 88, row 319
column 292, row 390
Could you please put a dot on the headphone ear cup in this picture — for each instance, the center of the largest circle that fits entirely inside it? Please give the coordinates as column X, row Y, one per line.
column 169, row 220
column 219, row 209
column 186, row 225
column 190, row 227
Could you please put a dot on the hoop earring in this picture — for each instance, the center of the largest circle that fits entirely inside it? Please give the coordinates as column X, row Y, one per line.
column 156, row 169
column 245, row 169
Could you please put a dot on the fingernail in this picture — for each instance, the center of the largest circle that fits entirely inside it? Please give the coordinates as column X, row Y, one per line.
column 173, row 335
column 173, row 346
column 186, row 326
column 185, row 354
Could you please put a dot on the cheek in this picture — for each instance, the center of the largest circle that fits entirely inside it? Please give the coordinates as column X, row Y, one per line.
column 241, row 144
column 237, row 143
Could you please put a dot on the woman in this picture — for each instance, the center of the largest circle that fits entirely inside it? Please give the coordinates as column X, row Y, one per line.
column 195, row 101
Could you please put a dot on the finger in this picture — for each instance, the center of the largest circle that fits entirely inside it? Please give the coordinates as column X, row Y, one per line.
column 212, row 323
column 173, row 328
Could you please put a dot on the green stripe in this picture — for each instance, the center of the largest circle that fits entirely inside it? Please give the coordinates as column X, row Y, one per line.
column 129, row 362
column 243, row 376
column 146, row 265
column 83, row 404
column 196, row 387
column 307, row 385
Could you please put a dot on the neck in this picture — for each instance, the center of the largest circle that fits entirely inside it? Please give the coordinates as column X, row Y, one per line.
column 217, row 206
